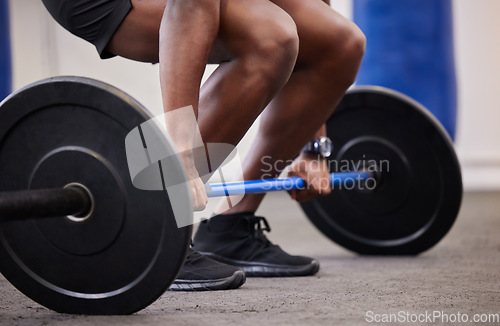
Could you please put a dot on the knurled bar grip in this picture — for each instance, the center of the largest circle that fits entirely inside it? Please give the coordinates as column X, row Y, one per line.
column 43, row 203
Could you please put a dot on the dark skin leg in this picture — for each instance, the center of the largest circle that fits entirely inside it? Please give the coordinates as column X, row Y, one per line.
column 331, row 49
column 259, row 39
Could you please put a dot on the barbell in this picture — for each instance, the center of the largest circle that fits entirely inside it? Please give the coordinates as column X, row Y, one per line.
column 77, row 237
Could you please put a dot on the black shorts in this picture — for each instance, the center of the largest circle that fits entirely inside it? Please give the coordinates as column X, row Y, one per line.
column 93, row 20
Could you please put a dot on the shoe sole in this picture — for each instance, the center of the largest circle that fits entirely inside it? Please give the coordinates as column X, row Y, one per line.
column 257, row 269
column 232, row 282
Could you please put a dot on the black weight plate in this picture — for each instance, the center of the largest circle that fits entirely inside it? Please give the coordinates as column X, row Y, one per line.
column 64, row 130
column 419, row 192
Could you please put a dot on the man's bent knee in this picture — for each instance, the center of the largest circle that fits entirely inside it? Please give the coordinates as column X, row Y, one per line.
column 344, row 53
column 355, row 45
column 273, row 48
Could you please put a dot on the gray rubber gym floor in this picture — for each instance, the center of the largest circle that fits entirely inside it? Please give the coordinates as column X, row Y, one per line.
column 460, row 275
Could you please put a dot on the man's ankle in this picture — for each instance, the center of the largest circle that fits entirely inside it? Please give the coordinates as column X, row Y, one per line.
column 223, row 222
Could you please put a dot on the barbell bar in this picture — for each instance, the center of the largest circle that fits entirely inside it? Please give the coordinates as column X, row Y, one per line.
column 67, row 134
column 67, row 201
column 75, row 201
column 283, row 184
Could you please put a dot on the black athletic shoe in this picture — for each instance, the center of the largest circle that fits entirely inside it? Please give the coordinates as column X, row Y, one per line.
column 239, row 240
column 201, row 273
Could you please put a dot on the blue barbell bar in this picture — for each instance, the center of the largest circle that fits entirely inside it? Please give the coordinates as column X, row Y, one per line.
column 268, row 185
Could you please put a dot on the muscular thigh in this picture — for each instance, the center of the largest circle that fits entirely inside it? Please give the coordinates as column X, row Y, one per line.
column 319, row 27
column 138, row 35
column 241, row 22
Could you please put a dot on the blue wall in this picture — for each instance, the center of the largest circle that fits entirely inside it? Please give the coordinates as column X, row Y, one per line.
column 410, row 49
column 5, row 55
